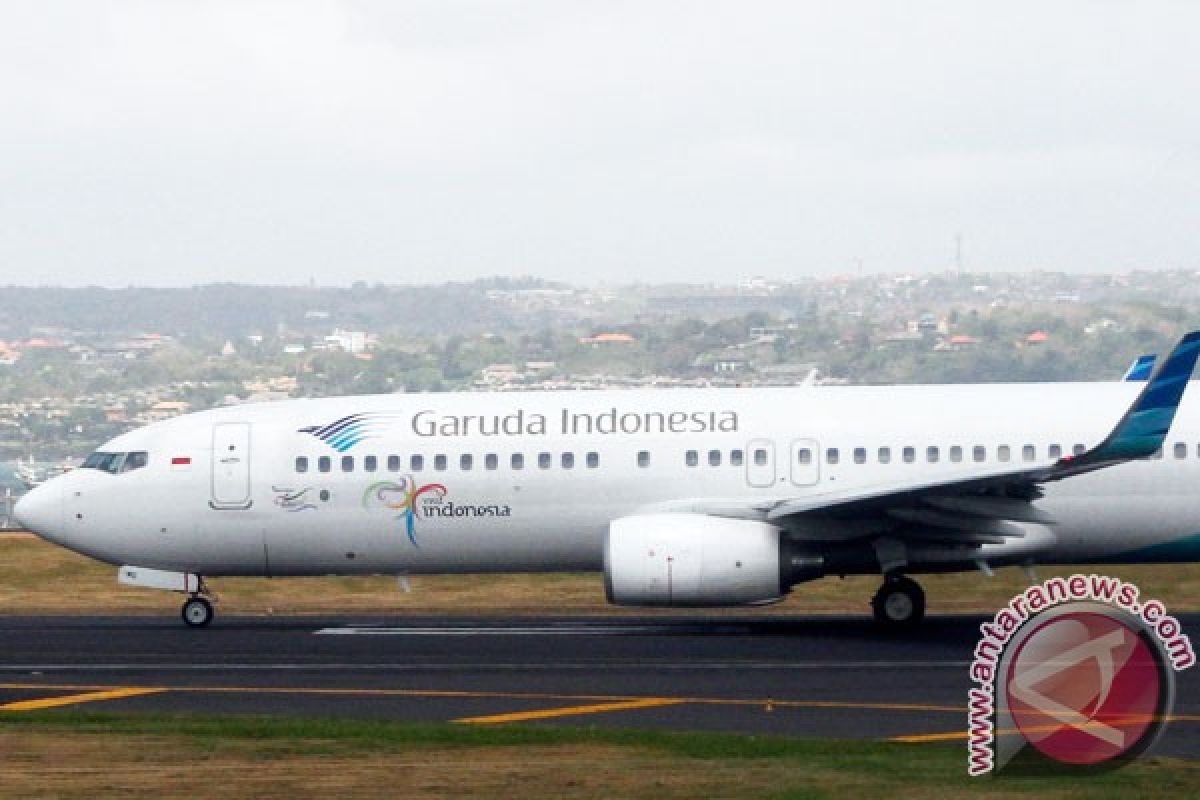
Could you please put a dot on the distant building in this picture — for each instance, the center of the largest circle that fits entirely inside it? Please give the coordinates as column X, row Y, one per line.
column 499, row 373
column 349, row 341
column 956, row 343
column 8, row 355
column 1037, row 337
column 165, row 409
column 608, row 338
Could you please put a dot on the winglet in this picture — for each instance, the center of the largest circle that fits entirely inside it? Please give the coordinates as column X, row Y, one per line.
column 1142, row 430
column 1140, row 369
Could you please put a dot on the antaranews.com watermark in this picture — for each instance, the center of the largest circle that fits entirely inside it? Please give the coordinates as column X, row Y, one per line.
column 1079, row 668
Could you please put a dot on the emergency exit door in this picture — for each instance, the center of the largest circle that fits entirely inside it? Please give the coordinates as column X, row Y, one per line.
column 760, row 463
column 806, row 462
column 231, row 465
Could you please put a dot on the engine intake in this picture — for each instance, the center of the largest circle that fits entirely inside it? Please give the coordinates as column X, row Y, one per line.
column 680, row 559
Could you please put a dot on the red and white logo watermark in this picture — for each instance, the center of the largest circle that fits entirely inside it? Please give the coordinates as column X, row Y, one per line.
column 1078, row 669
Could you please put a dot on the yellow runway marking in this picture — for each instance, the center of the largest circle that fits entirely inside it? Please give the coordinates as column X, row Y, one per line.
column 585, row 703
column 953, row 736
column 757, row 702
column 570, row 711
column 75, row 699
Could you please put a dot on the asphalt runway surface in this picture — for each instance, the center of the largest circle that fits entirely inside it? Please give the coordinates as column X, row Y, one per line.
column 813, row 676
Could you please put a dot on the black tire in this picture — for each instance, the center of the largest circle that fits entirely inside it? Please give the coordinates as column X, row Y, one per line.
column 899, row 603
column 197, row 612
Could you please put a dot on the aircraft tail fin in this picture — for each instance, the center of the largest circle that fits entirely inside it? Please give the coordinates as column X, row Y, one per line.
column 1142, row 430
column 1141, row 368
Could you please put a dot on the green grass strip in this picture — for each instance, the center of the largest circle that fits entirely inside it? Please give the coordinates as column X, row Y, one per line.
column 936, row 768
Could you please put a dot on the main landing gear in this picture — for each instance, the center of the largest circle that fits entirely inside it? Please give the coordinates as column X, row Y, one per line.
column 198, row 610
column 899, row 603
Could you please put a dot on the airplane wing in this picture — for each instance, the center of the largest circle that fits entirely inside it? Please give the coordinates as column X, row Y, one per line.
column 969, row 506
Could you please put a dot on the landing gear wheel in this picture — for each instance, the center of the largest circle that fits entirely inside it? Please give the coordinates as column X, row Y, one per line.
column 899, row 603
column 197, row 612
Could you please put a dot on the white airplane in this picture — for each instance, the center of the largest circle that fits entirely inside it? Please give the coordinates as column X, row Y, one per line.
column 706, row 497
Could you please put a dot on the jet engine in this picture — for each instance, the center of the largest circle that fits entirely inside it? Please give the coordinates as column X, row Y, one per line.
column 681, row 559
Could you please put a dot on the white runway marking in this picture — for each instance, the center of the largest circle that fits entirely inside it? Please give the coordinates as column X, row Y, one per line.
column 538, row 630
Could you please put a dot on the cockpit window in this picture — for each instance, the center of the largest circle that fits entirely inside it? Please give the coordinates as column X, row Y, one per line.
column 116, row 462
column 135, row 460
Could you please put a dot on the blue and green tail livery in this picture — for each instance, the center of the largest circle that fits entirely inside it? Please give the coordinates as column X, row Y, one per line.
column 1143, row 429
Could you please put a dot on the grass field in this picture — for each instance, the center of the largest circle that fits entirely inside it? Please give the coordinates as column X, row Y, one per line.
column 36, row 577
column 79, row 755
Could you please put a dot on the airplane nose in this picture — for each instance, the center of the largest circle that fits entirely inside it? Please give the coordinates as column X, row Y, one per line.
column 41, row 510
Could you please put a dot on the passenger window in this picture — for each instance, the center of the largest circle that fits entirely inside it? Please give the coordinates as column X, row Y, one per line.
column 643, row 458
column 956, row 454
column 860, row 455
column 593, row 459
column 979, row 452
column 545, row 460
column 692, row 458
column 490, row 461
column 804, row 456
column 1078, row 450
column 885, row 455
column 393, row 463
column 1054, row 451
column 760, row 457
column 931, row 454
column 416, row 463
column 568, row 461
column 910, row 455
column 370, row 463
column 465, row 462
column 518, row 461
column 324, row 464
column 714, row 458
column 1180, row 450
column 347, row 463
column 736, row 458
column 1003, row 453
column 831, row 455
column 301, row 464
column 1029, row 452
column 439, row 462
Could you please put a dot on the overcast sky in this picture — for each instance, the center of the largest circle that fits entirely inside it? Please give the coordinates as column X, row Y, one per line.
column 172, row 143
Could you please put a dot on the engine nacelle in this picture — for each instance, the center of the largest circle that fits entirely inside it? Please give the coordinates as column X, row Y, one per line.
column 678, row 559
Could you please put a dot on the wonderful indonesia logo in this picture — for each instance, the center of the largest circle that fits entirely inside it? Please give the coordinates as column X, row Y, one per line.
column 1075, row 671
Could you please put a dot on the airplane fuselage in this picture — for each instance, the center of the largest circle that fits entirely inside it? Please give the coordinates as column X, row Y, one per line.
column 474, row 482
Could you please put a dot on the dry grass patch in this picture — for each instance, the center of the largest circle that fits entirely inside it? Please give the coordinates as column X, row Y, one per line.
column 91, row 766
column 36, row 577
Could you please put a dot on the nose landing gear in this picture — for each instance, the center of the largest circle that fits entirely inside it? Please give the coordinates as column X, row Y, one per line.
column 899, row 603
column 198, row 610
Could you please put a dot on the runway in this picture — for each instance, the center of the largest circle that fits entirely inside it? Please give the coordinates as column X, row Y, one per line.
column 814, row 676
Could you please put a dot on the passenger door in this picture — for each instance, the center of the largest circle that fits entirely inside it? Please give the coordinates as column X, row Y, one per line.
column 231, row 465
